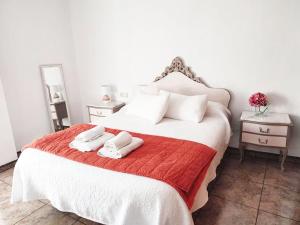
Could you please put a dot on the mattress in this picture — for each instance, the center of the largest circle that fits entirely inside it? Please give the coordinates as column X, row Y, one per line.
column 115, row 198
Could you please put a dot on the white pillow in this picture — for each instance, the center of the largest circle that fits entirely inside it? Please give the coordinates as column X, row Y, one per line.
column 150, row 107
column 188, row 108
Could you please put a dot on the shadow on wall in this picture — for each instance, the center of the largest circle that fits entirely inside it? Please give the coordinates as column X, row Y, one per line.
column 277, row 102
column 295, row 134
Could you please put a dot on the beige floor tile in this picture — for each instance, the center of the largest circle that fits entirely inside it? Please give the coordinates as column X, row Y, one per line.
column 289, row 178
column 7, row 175
column 12, row 213
column 7, row 166
column 8, row 180
column 88, row 222
column 221, row 212
column 238, row 190
column 47, row 215
column 78, row 223
column 45, row 201
column 252, row 169
column 5, row 191
column 270, row 219
column 74, row 216
column 281, row 201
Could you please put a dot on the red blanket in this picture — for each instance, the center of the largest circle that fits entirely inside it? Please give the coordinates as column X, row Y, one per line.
column 182, row 164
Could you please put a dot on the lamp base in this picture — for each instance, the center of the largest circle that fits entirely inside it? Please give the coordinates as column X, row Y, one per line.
column 106, row 99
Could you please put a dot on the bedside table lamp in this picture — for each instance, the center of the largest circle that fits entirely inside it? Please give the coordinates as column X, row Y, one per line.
column 106, row 93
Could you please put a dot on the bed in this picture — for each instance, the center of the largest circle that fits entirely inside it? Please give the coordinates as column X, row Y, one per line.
column 115, row 198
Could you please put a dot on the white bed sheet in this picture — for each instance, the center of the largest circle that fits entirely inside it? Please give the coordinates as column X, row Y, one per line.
column 115, row 198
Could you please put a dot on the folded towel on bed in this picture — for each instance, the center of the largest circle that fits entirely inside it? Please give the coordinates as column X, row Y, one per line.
column 86, row 146
column 117, row 154
column 119, row 141
column 91, row 134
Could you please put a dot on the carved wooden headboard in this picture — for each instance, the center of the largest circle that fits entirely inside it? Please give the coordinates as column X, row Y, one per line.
column 180, row 79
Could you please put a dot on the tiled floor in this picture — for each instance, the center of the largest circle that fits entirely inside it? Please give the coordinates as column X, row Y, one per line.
column 255, row 192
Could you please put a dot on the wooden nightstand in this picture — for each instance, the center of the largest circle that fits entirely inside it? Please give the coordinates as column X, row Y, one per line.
column 100, row 110
column 270, row 130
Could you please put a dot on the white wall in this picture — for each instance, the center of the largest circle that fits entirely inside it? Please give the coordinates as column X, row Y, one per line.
column 34, row 32
column 244, row 46
column 7, row 144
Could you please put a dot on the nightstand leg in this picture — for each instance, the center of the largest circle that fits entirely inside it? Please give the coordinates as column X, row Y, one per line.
column 242, row 152
column 284, row 154
column 280, row 156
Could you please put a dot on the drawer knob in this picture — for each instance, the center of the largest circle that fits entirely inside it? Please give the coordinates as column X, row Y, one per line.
column 263, row 142
column 99, row 113
column 264, row 131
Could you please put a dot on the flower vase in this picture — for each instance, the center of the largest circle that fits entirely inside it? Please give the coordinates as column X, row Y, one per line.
column 260, row 112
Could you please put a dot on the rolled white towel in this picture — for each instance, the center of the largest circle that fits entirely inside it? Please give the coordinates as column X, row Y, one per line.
column 90, row 134
column 91, row 145
column 119, row 141
column 135, row 143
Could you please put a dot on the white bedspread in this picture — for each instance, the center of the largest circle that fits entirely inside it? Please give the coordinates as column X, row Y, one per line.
column 115, row 198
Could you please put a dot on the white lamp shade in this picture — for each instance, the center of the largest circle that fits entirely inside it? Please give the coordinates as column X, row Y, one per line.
column 105, row 90
column 106, row 93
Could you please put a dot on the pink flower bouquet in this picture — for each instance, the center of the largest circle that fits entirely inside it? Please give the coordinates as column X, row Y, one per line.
column 259, row 100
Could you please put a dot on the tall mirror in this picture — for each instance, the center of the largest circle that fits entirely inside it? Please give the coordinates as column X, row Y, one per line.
column 56, row 97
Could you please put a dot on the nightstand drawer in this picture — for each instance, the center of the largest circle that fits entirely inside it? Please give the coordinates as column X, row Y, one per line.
column 100, row 111
column 272, row 141
column 265, row 129
column 96, row 119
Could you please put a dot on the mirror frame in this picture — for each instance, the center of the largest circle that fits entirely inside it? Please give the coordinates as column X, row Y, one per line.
column 46, row 94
